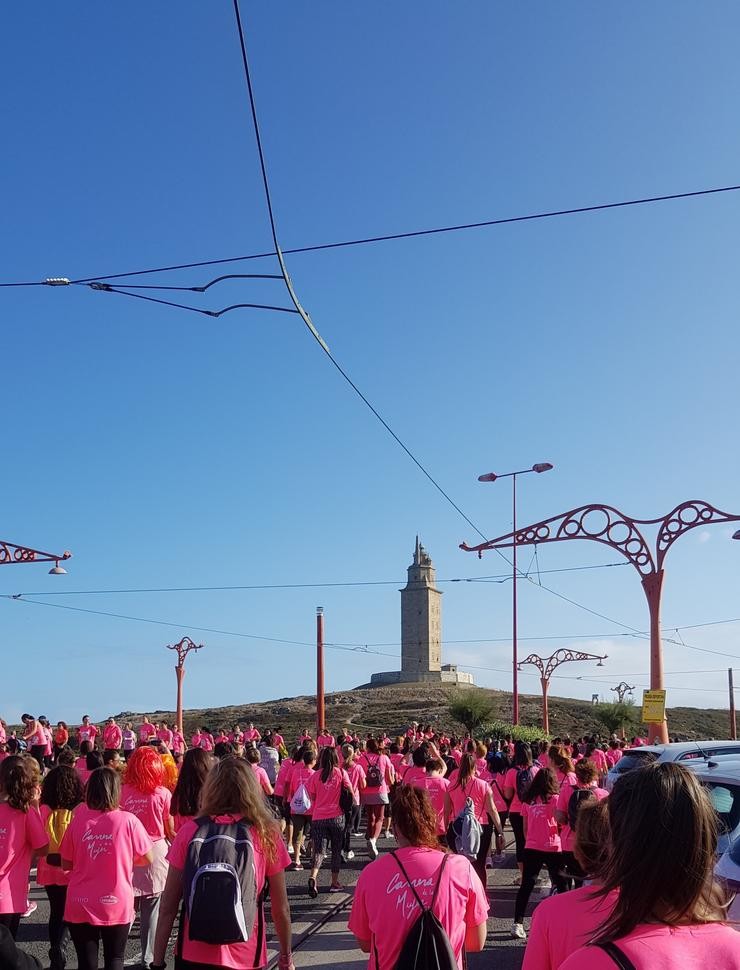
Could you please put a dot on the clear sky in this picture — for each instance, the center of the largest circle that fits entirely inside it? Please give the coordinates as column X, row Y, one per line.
column 168, row 449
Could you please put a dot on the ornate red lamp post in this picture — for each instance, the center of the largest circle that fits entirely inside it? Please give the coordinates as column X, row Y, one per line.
column 548, row 665
column 11, row 554
column 542, row 466
column 621, row 690
column 605, row 524
column 183, row 649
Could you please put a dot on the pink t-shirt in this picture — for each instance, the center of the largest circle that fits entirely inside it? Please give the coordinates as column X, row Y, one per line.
column 112, row 736
column 566, row 778
column 324, row 795
column 82, row 769
column 235, row 955
column 613, row 755
column 262, row 779
column 165, row 736
column 356, row 775
column 178, row 743
column 437, row 788
column 147, row 732
column 87, row 732
column 415, row 776
column 542, row 829
column 652, row 947
column 102, row 847
column 151, row 810
column 384, row 907
column 129, row 740
column 474, row 788
column 497, row 791
column 399, row 765
column 566, row 833
column 562, row 924
column 510, row 782
column 21, row 833
column 283, row 778
column 47, row 875
column 599, row 759
column 325, row 741
column 252, row 734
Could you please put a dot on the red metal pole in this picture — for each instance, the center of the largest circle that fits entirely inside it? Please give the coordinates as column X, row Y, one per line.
column 179, row 673
column 320, row 714
column 653, row 586
column 545, row 713
column 733, row 721
column 515, row 648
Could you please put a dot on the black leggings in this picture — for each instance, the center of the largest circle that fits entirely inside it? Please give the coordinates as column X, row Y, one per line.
column 533, row 862
column 517, row 827
column 327, row 832
column 58, row 931
column 351, row 820
column 12, row 921
column 86, row 939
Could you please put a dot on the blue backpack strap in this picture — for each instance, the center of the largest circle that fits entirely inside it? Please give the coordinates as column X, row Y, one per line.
column 618, row 956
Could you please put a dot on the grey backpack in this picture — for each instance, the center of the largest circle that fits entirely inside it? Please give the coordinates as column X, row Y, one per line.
column 220, row 892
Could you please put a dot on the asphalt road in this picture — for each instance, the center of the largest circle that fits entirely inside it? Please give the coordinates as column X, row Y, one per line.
column 313, row 943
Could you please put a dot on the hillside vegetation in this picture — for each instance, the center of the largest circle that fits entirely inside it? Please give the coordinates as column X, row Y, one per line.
column 392, row 708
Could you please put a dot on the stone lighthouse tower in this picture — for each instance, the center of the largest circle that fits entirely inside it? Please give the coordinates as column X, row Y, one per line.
column 421, row 617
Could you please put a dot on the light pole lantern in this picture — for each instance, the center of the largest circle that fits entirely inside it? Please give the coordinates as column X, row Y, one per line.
column 547, row 666
column 11, row 554
column 538, row 468
column 605, row 524
column 183, row 648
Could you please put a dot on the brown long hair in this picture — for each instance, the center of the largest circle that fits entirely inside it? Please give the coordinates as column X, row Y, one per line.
column 591, row 844
column 661, row 851
column 195, row 767
column 231, row 788
column 466, row 770
column 328, row 763
column 414, row 816
column 19, row 781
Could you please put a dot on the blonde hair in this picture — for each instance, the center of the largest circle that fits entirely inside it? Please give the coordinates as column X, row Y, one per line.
column 349, row 754
column 231, row 788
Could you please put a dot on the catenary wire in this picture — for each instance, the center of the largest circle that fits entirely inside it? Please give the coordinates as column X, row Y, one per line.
column 196, row 309
column 412, row 234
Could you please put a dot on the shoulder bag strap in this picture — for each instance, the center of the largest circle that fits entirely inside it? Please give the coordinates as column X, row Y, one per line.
column 439, row 880
column 620, row 959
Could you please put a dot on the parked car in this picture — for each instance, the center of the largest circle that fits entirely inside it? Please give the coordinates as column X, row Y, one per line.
column 683, row 751
column 722, row 779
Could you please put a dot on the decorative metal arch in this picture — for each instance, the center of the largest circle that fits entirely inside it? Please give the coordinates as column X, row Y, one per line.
column 12, row 554
column 546, row 665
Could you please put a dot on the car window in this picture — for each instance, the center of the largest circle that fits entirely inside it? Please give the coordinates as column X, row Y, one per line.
column 723, row 752
column 634, row 759
column 691, row 755
column 726, row 801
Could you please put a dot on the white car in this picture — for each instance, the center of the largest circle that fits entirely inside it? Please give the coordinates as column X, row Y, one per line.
column 692, row 752
column 721, row 778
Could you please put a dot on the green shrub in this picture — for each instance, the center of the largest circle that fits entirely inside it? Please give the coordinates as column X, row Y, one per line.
column 519, row 732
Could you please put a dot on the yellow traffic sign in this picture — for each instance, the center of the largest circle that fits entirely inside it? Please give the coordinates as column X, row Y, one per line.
column 653, row 706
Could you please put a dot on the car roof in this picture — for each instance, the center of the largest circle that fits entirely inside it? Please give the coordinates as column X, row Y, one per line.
column 726, row 770
column 679, row 747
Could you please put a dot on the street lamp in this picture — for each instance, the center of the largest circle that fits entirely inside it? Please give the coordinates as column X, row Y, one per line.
column 542, row 466
column 183, row 648
column 548, row 665
column 11, row 554
column 605, row 524
column 621, row 690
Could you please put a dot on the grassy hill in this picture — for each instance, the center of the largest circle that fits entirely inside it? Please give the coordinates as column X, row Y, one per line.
column 393, row 707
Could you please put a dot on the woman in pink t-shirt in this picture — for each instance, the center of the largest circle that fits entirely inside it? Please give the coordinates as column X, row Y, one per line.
column 668, row 912
column 436, row 786
column 61, row 792
column 516, row 781
column 185, row 798
column 22, row 835
column 542, row 843
column 563, row 923
column 356, row 775
column 375, row 797
column 101, row 847
column 145, row 796
column 586, row 776
column 467, row 785
column 253, row 758
column 327, row 816
column 230, row 794
column 391, row 891
column 300, row 775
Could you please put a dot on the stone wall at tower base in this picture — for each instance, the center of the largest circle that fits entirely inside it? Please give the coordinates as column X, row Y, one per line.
column 448, row 675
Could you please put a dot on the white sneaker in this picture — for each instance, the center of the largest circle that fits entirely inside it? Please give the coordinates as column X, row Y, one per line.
column 291, row 850
column 31, row 908
column 350, row 855
column 372, row 849
column 344, row 857
column 518, row 932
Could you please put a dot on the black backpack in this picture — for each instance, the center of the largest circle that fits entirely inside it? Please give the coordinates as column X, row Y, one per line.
column 373, row 775
column 577, row 797
column 524, row 777
column 427, row 945
column 220, row 891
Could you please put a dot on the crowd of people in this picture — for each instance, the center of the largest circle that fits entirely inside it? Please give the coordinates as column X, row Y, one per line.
column 142, row 820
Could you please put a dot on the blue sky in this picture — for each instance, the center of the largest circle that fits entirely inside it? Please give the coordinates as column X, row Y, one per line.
column 168, row 449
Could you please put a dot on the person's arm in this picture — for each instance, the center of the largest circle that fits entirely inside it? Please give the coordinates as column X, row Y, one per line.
column 167, row 911
column 144, row 860
column 448, row 810
column 475, row 937
column 364, row 945
column 269, row 790
column 12, row 955
column 561, row 817
column 493, row 813
column 281, row 918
